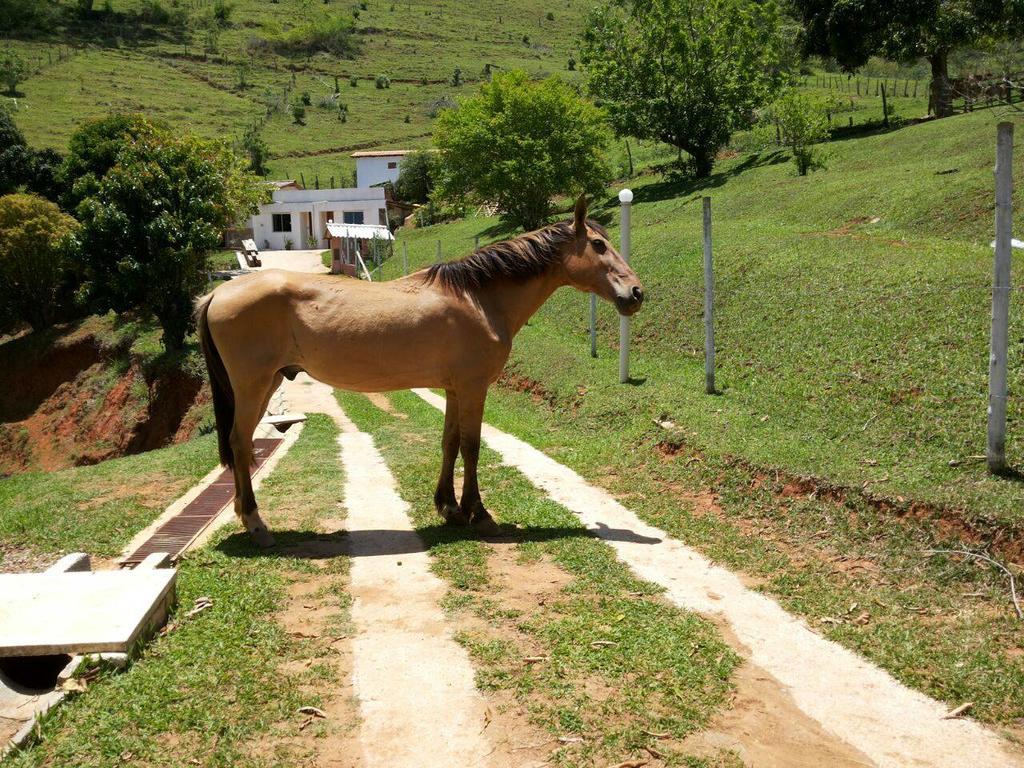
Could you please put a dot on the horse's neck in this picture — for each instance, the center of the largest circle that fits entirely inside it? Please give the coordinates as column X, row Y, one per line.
column 510, row 305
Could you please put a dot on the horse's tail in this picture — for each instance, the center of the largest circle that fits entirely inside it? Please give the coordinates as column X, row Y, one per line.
column 220, row 383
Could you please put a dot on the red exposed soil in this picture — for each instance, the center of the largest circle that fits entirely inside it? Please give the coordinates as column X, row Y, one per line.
column 69, row 400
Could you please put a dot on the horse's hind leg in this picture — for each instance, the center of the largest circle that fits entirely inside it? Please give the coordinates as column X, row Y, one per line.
column 444, row 497
column 250, row 402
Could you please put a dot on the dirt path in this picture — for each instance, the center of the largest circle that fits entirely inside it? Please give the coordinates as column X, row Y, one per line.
column 417, row 699
column 848, row 697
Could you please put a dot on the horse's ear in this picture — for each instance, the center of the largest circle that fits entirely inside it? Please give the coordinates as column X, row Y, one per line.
column 580, row 221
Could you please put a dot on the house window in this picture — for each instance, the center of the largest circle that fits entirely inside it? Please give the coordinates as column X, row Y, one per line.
column 352, row 217
column 281, row 222
column 392, row 165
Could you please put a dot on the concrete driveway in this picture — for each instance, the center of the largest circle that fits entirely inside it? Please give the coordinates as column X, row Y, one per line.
column 296, row 261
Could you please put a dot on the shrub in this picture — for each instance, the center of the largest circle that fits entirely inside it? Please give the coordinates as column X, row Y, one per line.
column 456, row 79
column 307, row 100
column 572, row 64
column 328, row 34
column 353, row 81
column 22, row 166
column 416, row 179
column 257, row 151
column 802, row 126
column 383, row 81
column 550, row 16
column 299, row 113
column 38, row 267
column 13, row 70
column 222, row 12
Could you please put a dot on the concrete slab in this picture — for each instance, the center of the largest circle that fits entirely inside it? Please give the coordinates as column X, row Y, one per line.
column 90, row 612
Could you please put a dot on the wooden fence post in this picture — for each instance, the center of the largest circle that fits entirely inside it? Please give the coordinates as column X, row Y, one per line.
column 885, row 108
column 996, row 450
column 626, row 203
column 709, row 305
column 405, row 257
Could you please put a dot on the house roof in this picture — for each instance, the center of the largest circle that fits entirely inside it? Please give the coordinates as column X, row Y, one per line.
column 383, row 153
column 284, row 184
column 359, row 231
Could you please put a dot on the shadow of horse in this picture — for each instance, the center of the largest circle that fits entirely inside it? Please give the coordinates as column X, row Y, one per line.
column 312, row 545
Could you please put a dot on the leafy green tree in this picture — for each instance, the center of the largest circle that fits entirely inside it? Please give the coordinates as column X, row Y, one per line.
column 685, row 72
column 257, row 151
column 13, row 70
column 22, row 166
column 152, row 219
column 802, row 125
column 38, row 269
column 93, row 150
column 520, row 143
column 25, row 15
column 854, row 30
column 415, row 181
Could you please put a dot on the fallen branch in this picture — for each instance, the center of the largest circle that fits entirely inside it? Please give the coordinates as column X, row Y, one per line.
column 987, row 559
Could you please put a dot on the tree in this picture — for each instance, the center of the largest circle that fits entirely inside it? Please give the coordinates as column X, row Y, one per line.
column 38, row 271
column 416, row 179
column 802, row 124
column 519, row 143
column 22, row 166
column 25, row 15
column 685, row 72
column 151, row 221
column 854, row 30
column 93, row 150
column 13, row 70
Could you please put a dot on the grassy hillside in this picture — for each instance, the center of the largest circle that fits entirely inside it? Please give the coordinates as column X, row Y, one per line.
column 167, row 72
column 852, row 313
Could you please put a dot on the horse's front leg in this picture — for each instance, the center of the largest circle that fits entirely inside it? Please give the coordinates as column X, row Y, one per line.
column 471, row 414
column 444, row 497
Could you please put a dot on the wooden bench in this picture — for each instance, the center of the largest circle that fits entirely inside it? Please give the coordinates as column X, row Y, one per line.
column 251, row 253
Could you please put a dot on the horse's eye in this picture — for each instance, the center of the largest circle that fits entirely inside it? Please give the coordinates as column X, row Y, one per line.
column 599, row 245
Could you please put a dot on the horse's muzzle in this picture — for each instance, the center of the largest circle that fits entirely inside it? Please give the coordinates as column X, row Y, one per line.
column 630, row 305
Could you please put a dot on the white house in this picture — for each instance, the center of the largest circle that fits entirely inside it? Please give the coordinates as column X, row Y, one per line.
column 297, row 218
column 377, row 166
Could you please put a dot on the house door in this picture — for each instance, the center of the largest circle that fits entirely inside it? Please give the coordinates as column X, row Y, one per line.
column 310, row 240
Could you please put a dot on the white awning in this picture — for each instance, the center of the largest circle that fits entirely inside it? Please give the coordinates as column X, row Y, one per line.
column 359, row 231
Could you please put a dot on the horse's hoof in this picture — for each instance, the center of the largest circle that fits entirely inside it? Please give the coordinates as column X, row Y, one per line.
column 261, row 537
column 484, row 525
column 453, row 515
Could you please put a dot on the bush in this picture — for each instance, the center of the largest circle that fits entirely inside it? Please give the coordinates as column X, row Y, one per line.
column 38, row 267
column 22, row 166
column 222, row 11
column 307, row 100
column 383, row 81
column 436, row 106
column 416, row 179
column 13, row 70
column 456, row 80
column 353, row 81
column 802, row 125
column 329, row 34
column 299, row 113
column 550, row 16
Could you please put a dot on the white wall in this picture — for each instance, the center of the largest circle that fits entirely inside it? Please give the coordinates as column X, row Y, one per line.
column 374, row 170
column 316, row 202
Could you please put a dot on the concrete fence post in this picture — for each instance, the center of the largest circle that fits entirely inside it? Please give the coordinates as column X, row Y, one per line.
column 593, row 325
column 709, row 304
column 996, row 450
column 626, row 201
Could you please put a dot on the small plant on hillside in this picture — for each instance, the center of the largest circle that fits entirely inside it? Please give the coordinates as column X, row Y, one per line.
column 436, row 106
column 327, row 34
column 38, row 268
column 550, row 16
column 222, row 11
column 382, row 82
column 299, row 113
column 343, row 113
column 408, row 119
column 571, row 64
column 307, row 99
column 520, row 143
column 13, row 70
column 364, row 6
column 802, row 126
column 456, row 79
column 256, row 149
column 353, row 81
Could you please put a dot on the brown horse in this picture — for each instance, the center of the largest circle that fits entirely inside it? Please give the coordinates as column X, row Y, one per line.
column 449, row 326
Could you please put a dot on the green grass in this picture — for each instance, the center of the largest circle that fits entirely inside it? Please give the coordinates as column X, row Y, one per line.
column 666, row 670
column 97, row 509
column 848, row 350
column 209, row 691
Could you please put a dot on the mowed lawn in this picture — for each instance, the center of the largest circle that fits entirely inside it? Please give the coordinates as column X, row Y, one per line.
column 852, row 318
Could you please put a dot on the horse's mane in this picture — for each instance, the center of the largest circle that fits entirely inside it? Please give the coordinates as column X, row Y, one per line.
column 518, row 259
